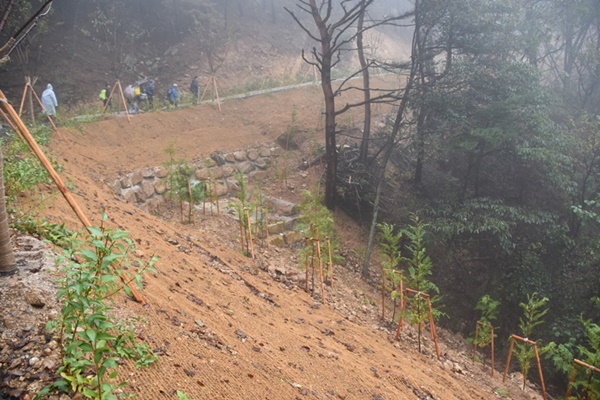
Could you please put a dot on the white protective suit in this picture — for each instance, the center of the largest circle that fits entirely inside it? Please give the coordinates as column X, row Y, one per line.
column 49, row 100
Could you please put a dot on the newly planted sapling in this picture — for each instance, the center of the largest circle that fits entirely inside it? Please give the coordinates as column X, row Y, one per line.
column 390, row 248
column 533, row 311
column 92, row 339
column 489, row 312
column 417, row 278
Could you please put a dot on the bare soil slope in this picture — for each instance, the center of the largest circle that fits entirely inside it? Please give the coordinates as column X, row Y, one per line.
column 223, row 327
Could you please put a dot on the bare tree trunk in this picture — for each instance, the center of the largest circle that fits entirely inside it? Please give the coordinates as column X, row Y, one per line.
column 364, row 144
column 391, row 141
column 7, row 257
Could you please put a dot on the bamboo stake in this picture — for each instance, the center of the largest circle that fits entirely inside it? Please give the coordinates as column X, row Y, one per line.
column 24, row 95
column 124, row 102
column 205, row 89
column 382, row 292
column 306, row 267
column 250, row 233
column 217, row 93
column 58, row 181
column 9, row 122
column 401, row 320
column 109, row 97
column 432, row 327
column 312, row 267
column 323, row 299
column 330, row 261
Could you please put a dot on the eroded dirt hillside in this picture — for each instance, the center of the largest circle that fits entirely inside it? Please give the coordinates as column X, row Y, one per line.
column 222, row 326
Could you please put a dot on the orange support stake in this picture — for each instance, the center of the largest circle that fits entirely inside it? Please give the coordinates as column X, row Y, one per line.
column 330, row 261
column 124, row 102
column 251, row 245
column 321, row 269
column 430, row 309
column 537, row 356
column 577, row 362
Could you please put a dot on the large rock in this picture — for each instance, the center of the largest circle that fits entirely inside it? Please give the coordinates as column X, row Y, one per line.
column 282, row 207
column 136, row 178
column 262, row 163
column 140, row 195
column 252, row 154
column 202, row 174
column 148, row 187
column 220, row 190
column 148, row 173
column 160, row 187
column 245, row 167
column 129, row 195
column 229, row 158
column 161, row 172
column 126, row 181
column 240, row 156
column 264, row 152
column 209, row 162
column 117, row 186
column 218, row 158
column 227, row 171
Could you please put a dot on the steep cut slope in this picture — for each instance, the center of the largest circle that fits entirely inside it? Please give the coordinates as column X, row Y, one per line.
column 223, row 328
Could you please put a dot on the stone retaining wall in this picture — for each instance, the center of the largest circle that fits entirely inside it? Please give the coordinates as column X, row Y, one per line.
column 146, row 187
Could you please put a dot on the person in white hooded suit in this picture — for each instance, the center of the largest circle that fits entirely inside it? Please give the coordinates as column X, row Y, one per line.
column 49, row 100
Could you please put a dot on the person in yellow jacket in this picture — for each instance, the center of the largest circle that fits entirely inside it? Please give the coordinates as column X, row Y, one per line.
column 104, row 93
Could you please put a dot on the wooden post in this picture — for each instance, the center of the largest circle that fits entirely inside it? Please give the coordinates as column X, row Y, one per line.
column 306, row 242
column 432, row 327
column 124, row 101
column 251, row 245
column 242, row 239
column 382, row 292
column 217, row 93
column 57, row 180
column 110, row 97
column 330, row 261
column 537, row 357
column 12, row 125
column 401, row 319
column 24, row 95
column 323, row 299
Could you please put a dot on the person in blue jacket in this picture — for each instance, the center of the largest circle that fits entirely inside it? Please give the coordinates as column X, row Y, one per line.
column 173, row 95
column 49, row 100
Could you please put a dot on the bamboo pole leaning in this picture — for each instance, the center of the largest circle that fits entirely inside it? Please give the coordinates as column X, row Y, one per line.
column 58, row 181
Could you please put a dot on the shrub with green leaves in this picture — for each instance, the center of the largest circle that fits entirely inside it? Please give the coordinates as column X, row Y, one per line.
column 489, row 312
column 315, row 217
column 181, row 186
column 417, row 277
column 92, row 339
column 389, row 243
column 23, row 172
column 533, row 313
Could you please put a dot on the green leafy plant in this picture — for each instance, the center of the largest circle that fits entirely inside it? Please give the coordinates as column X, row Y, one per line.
column 182, row 395
column 489, row 312
column 534, row 311
column 93, row 340
column 57, row 234
column 181, row 187
column 390, row 249
column 23, row 172
column 586, row 383
column 417, row 278
column 315, row 217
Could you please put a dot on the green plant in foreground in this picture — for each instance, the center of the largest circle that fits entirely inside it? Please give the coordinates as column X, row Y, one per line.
column 586, row 383
column 182, row 395
column 533, row 311
column 489, row 312
column 390, row 248
column 93, row 340
column 419, row 270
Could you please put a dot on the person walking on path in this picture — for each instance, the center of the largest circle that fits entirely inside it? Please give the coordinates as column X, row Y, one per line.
column 104, row 93
column 195, row 89
column 150, row 88
column 49, row 100
column 173, row 95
